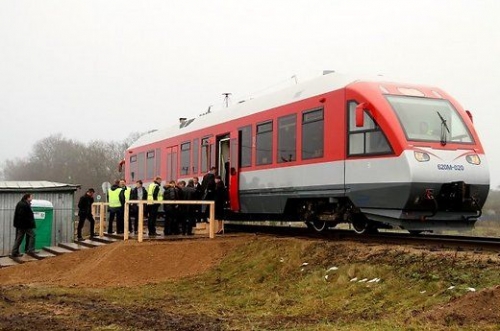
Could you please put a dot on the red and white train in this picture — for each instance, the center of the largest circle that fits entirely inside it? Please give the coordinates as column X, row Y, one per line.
column 332, row 150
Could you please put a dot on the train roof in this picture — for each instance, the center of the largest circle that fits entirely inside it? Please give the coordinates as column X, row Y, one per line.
column 317, row 86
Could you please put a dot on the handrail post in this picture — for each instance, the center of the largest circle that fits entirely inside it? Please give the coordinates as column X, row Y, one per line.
column 140, row 234
column 126, row 221
column 102, row 219
column 212, row 220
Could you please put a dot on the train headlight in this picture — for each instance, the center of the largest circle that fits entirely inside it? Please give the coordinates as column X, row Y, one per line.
column 421, row 156
column 473, row 159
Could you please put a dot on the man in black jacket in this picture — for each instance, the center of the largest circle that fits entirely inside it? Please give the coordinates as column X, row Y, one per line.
column 24, row 222
column 139, row 192
column 85, row 213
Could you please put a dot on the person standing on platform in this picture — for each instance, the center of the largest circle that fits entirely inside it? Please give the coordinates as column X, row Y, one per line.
column 137, row 193
column 85, row 213
column 114, row 205
column 220, row 198
column 124, row 197
column 189, row 193
column 171, row 193
column 24, row 222
column 198, row 196
column 208, row 188
column 153, row 196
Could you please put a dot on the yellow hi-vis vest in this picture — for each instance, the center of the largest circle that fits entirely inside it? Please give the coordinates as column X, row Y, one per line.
column 114, row 198
column 127, row 193
column 151, row 189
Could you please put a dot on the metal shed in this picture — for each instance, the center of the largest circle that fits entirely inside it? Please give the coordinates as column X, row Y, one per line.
column 59, row 194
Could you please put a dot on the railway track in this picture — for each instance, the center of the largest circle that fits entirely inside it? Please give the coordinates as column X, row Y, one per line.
column 430, row 241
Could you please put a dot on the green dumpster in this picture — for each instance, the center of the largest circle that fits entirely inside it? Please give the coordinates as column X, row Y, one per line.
column 43, row 211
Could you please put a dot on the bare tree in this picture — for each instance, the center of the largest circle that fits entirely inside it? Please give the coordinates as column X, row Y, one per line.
column 59, row 159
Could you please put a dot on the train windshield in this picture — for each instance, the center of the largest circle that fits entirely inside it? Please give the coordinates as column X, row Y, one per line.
column 434, row 120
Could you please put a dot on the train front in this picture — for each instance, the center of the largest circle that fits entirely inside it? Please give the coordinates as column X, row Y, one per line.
column 439, row 157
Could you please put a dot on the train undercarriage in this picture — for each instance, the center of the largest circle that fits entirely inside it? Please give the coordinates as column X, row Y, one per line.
column 454, row 207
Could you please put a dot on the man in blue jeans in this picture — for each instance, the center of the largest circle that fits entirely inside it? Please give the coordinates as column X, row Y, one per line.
column 24, row 222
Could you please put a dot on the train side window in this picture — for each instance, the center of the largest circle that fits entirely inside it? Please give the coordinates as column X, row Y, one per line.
column 312, row 134
column 196, row 155
column 133, row 166
column 287, row 138
column 140, row 166
column 205, row 154
column 245, row 149
column 150, row 164
column 366, row 140
column 185, row 157
column 158, row 162
column 264, row 143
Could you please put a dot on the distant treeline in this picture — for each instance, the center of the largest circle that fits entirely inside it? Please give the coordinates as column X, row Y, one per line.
column 63, row 160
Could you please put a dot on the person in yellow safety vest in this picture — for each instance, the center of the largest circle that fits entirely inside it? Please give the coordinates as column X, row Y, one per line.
column 153, row 195
column 114, row 205
column 124, row 196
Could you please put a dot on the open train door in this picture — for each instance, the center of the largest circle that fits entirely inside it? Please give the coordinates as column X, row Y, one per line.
column 234, row 177
column 226, row 167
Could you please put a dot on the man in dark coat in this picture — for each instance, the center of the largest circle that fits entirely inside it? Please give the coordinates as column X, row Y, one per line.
column 208, row 188
column 24, row 222
column 85, row 212
column 139, row 192
column 189, row 193
column 171, row 192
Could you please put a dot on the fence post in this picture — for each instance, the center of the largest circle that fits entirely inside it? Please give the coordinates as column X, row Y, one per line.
column 102, row 219
column 126, row 221
column 140, row 234
column 212, row 220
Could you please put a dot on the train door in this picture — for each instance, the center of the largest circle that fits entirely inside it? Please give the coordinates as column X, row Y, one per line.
column 172, row 161
column 227, row 165
column 234, row 176
column 223, row 153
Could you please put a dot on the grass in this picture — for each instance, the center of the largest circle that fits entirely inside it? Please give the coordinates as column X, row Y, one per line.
column 264, row 284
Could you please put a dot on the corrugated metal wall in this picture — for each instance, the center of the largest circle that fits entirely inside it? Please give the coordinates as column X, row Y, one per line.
column 62, row 225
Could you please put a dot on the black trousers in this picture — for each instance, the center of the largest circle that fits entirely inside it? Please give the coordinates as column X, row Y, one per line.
column 29, row 246
column 81, row 223
column 114, row 213
column 153, row 214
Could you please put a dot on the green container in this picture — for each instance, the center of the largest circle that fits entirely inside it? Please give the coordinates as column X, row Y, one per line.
column 44, row 217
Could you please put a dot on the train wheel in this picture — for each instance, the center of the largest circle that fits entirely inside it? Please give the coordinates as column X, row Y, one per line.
column 316, row 224
column 361, row 225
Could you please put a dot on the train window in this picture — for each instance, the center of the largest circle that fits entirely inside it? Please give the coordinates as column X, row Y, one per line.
column 264, row 143
column 196, row 155
column 366, row 140
column 245, row 138
column 185, row 158
column 312, row 134
column 287, row 136
column 150, row 164
column 205, row 154
column 158, row 162
column 140, row 166
column 133, row 166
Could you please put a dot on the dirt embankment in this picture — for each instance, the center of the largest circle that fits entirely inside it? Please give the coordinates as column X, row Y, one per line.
column 123, row 264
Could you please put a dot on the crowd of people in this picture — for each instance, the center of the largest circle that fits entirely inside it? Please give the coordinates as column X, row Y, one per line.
column 179, row 218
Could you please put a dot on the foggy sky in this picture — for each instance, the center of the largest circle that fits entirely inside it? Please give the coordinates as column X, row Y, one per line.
column 104, row 69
